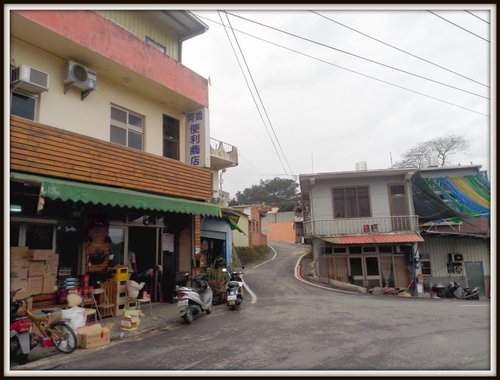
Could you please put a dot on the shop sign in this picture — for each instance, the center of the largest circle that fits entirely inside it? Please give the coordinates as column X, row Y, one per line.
column 198, row 138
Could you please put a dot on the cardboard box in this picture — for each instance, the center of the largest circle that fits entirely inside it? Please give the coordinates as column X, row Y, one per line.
column 36, row 268
column 19, row 273
column 94, row 336
column 35, row 284
column 19, row 262
column 130, row 322
column 41, row 254
column 19, row 283
column 51, row 268
column 49, row 284
column 19, row 253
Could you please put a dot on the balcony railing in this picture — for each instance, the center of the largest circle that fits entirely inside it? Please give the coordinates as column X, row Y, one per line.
column 222, row 155
column 356, row 226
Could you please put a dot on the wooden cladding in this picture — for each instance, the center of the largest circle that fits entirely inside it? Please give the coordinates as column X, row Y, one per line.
column 39, row 149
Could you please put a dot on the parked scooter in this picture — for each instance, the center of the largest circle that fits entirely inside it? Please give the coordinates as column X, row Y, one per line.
column 455, row 290
column 21, row 343
column 193, row 301
column 234, row 290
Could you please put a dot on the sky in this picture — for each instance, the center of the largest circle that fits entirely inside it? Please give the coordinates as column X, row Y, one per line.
column 327, row 90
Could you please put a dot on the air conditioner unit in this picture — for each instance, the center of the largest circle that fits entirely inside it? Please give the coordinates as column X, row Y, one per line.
column 455, row 257
column 80, row 76
column 29, row 79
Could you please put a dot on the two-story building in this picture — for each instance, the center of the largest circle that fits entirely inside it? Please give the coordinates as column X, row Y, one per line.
column 365, row 227
column 110, row 149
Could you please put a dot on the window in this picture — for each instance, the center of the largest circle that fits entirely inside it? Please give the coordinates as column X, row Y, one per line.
column 170, row 137
column 351, row 202
column 156, row 44
column 127, row 128
column 369, row 249
column 355, row 249
column 23, row 105
column 425, row 262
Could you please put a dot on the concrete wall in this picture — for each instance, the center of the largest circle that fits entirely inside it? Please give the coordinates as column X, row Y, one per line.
column 322, row 198
column 91, row 117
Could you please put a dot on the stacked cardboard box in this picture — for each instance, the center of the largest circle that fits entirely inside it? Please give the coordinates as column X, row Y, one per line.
column 42, row 271
column 19, row 268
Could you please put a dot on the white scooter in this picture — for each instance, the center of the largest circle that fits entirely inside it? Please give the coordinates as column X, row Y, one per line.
column 234, row 290
column 195, row 300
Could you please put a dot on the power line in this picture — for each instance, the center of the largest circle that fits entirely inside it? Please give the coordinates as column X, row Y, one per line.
column 251, row 93
column 350, row 70
column 358, row 56
column 258, row 94
column 458, row 26
column 395, row 47
column 477, row 17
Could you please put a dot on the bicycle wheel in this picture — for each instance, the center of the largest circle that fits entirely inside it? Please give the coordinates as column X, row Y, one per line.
column 63, row 336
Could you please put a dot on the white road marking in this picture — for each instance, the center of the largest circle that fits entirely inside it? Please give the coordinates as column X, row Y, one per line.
column 254, row 297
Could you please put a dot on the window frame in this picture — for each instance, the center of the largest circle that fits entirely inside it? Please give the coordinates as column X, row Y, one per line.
column 35, row 97
column 347, row 211
column 169, row 121
column 127, row 126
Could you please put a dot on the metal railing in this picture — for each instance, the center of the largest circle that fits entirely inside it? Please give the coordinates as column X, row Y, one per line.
column 223, row 150
column 356, row 226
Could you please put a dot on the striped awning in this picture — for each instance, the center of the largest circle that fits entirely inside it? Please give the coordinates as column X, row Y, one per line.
column 392, row 238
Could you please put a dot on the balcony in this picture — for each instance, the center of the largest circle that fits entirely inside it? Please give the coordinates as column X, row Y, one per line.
column 44, row 150
column 222, row 155
column 359, row 226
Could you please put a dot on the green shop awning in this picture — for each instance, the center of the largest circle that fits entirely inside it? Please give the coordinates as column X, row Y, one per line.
column 110, row 196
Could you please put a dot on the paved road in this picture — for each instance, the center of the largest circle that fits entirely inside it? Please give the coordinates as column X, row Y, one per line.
column 295, row 326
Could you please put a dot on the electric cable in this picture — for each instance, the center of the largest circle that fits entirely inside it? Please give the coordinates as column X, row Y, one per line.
column 482, row 19
column 399, row 49
column 258, row 94
column 350, row 70
column 359, row 56
column 458, row 26
column 251, row 93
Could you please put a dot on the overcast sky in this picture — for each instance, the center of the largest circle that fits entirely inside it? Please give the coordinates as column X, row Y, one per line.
column 334, row 101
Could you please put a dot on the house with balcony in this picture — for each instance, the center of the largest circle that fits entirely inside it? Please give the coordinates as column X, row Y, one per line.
column 110, row 146
column 371, row 227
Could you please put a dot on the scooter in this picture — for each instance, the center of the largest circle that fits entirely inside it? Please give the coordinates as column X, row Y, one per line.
column 21, row 343
column 234, row 290
column 455, row 290
column 195, row 300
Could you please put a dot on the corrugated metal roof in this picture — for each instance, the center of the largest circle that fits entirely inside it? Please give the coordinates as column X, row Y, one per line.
column 376, row 239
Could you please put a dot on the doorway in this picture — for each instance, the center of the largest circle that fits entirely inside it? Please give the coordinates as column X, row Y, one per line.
column 365, row 270
column 142, row 241
column 475, row 275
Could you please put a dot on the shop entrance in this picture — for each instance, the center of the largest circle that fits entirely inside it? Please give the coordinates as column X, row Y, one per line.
column 142, row 241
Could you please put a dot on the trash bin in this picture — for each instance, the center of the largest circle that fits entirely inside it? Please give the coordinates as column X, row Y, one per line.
column 439, row 289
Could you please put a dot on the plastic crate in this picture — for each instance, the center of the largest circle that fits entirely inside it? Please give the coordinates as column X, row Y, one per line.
column 120, row 272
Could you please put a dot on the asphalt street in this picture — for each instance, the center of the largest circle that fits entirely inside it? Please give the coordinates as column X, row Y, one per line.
column 286, row 326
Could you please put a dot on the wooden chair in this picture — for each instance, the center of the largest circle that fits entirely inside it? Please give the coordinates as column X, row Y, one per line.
column 137, row 302
column 101, row 303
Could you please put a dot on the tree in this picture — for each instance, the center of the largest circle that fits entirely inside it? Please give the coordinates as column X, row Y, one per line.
column 276, row 192
column 440, row 147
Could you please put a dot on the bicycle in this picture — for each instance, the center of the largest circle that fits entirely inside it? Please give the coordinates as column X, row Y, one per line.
column 62, row 335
